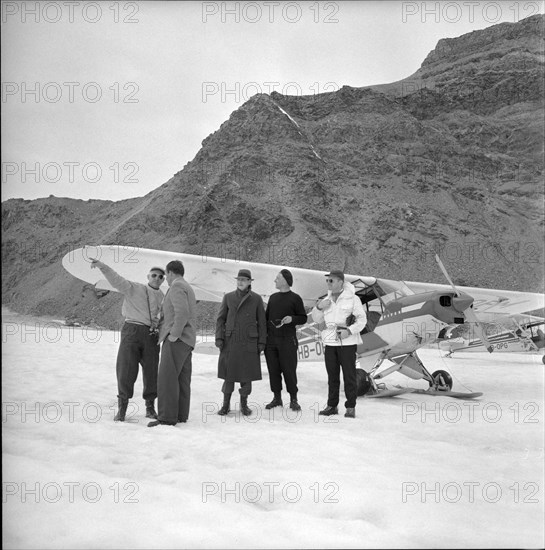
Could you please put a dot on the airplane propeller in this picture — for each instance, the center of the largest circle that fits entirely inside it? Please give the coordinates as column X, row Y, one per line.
column 462, row 302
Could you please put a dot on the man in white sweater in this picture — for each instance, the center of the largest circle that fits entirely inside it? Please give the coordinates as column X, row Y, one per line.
column 139, row 341
column 340, row 317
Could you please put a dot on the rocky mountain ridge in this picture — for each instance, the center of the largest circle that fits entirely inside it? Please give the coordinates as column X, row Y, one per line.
column 373, row 180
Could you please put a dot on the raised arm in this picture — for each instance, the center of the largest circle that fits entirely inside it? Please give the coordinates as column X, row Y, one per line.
column 119, row 283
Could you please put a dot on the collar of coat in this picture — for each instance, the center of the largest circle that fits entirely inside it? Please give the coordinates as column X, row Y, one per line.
column 244, row 292
column 244, row 295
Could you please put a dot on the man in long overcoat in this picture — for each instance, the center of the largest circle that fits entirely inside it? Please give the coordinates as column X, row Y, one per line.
column 241, row 335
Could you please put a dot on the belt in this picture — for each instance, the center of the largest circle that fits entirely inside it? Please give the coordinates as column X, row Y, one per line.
column 136, row 323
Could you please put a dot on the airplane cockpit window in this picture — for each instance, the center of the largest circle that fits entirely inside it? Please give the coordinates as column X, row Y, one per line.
column 371, row 299
column 393, row 290
column 370, row 294
column 376, row 296
column 384, row 291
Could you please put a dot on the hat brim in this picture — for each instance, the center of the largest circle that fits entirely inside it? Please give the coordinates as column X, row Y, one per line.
column 336, row 275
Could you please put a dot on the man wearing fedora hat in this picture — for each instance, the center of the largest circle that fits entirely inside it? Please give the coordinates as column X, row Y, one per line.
column 241, row 334
column 139, row 344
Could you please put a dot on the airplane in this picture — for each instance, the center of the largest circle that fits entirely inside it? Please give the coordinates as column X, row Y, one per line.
column 517, row 334
column 402, row 316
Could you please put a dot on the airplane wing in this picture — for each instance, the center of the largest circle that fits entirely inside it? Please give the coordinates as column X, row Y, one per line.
column 516, row 333
column 514, row 322
column 504, row 324
column 212, row 277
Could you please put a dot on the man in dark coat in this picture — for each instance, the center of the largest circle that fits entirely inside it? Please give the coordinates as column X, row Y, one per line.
column 284, row 311
column 241, row 335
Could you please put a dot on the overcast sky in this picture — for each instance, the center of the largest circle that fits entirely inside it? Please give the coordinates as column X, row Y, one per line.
column 108, row 100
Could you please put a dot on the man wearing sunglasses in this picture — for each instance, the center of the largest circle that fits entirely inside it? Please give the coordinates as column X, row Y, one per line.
column 341, row 317
column 139, row 343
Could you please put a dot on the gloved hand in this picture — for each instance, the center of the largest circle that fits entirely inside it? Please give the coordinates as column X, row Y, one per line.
column 219, row 344
column 261, row 348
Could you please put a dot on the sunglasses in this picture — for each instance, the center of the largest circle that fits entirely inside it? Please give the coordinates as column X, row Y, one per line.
column 153, row 275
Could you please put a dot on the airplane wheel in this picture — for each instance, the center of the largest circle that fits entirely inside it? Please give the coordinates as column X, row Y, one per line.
column 442, row 379
column 363, row 381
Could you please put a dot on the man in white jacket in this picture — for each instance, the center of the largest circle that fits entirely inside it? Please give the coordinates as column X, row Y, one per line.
column 340, row 317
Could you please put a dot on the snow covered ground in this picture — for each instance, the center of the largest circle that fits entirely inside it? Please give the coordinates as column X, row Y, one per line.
column 413, row 471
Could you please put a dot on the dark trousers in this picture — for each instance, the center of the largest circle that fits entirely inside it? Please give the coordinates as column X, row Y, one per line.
column 337, row 357
column 281, row 357
column 137, row 346
column 174, row 383
column 229, row 387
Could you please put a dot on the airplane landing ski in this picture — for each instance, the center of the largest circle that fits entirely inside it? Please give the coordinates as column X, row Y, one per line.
column 390, row 393
column 455, row 394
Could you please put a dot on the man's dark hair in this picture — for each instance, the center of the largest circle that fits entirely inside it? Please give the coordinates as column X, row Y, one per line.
column 176, row 267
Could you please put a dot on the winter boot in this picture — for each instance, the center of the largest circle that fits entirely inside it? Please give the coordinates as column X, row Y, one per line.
column 294, row 405
column 150, row 409
column 328, row 411
column 122, row 409
column 226, row 404
column 276, row 402
column 244, row 409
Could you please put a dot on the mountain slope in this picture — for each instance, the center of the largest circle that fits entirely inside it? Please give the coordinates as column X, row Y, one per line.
column 372, row 180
